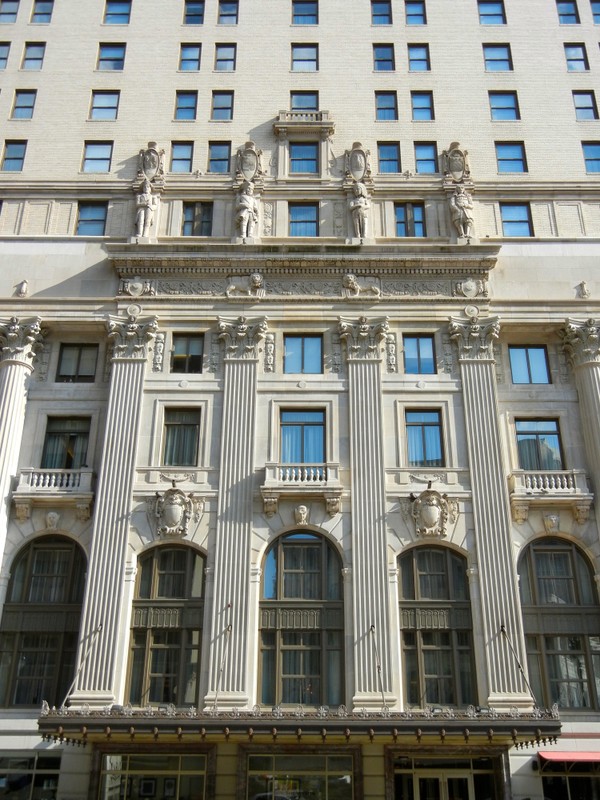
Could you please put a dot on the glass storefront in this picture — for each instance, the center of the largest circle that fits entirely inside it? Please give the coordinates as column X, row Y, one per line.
column 153, row 777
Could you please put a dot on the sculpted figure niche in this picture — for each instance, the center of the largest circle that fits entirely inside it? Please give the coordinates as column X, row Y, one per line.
column 246, row 211
column 146, row 206
column 461, row 211
column 359, row 205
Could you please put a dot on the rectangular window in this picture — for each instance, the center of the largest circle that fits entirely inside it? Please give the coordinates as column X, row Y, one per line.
column 596, row 11
column 529, row 364
column 105, row 105
column 491, row 12
column 4, row 51
column 222, row 106
column 504, row 105
column 305, row 12
column 197, row 219
column 42, row 10
column 510, row 157
column 576, row 57
column 516, row 219
column 388, row 156
column 97, row 157
column 418, row 58
column 538, row 444
column 193, row 12
column 186, row 356
column 66, row 443
column 14, row 156
column 424, row 437
column 181, row 156
column 497, row 57
column 567, row 12
column 225, row 57
column 8, row 10
column 304, row 101
column 117, row 12
column 33, row 56
column 585, row 105
column 383, row 58
column 422, row 106
column 304, row 219
column 302, row 437
column 181, row 435
column 305, row 57
column 228, row 12
column 304, row 158
column 381, row 12
column 414, row 12
column 77, row 363
column 91, row 219
column 410, row 219
column 189, row 57
column 219, row 157
column 591, row 155
column 419, row 355
column 186, row 104
column 426, row 158
column 111, row 56
column 24, row 104
column 303, row 354
column 386, row 106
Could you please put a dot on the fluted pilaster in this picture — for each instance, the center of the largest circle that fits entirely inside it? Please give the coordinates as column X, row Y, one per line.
column 474, row 339
column 363, row 339
column 581, row 341
column 228, row 659
column 101, row 633
column 18, row 341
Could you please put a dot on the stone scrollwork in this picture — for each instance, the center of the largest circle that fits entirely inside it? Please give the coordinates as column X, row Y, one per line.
column 241, row 337
column 470, row 288
column 174, row 510
column 432, row 512
column 474, row 337
column 136, row 287
column 131, row 336
column 20, row 339
column 363, row 338
column 581, row 341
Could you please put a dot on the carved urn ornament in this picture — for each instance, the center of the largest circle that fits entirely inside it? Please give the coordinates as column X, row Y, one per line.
column 174, row 509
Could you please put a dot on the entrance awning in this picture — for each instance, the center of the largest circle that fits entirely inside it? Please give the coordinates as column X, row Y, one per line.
column 568, row 755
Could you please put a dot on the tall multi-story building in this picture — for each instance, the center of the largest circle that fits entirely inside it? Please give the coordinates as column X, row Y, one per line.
column 299, row 399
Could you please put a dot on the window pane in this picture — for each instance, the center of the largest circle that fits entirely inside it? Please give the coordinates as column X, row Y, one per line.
column 425, row 157
column 182, row 429
column 189, row 59
column 529, row 365
column 304, row 219
column 516, row 219
column 111, row 57
column 538, row 444
column 381, row 12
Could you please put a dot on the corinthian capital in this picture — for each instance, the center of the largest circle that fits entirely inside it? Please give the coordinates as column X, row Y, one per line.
column 241, row 337
column 362, row 338
column 131, row 336
column 581, row 341
column 474, row 337
column 19, row 339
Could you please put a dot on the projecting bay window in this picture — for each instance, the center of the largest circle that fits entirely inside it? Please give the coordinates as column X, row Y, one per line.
column 166, row 631
column 301, row 665
column 438, row 657
column 181, row 437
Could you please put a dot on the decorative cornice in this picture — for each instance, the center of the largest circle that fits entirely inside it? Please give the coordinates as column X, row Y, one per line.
column 474, row 337
column 241, row 337
column 362, row 338
column 131, row 336
column 581, row 341
column 19, row 340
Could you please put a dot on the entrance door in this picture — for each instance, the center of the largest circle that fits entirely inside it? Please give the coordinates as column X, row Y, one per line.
column 444, row 786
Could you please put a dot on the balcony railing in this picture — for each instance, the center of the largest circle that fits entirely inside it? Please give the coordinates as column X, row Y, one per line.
column 299, row 481
column 51, row 480
column 317, row 122
column 567, row 488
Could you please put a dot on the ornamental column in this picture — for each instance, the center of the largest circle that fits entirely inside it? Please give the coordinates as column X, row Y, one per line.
column 229, row 648
column 101, row 641
column 19, row 340
column 581, row 342
column 372, row 652
column 499, row 598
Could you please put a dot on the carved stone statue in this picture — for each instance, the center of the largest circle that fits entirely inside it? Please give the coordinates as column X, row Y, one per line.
column 358, row 207
column 246, row 208
column 461, row 211
column 147, row 204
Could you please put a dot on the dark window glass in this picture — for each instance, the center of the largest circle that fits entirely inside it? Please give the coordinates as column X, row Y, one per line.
column 228, row 12
column 304, row 101
column 222, row 105
column 591, row 155
column 185, row 105
column 33, row 57
column 386, row 106
column 4, row 51
column 388, row 154
column 410, row 219
column 305, row 12
column 77, row 363
column 381, row 12
column 182, row 433
column 181, row 156
column 42, row 11
column 383, row 57
column 193, row 13
column 117, row 12
column 66, row 443
column 111, row 57
column 567, row 12
column 186, row 356
column 9, row 10
column 24, row 104
column 219, row 157
column 14, row 156
column 225, row 56
column 415, row 12
column 538, row 444
column 197, row 219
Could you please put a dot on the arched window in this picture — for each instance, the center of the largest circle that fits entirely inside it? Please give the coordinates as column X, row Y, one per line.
column 166, row 633
column 561, row 618
column 301, row 623
column 435, row 617
column 40, row 623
